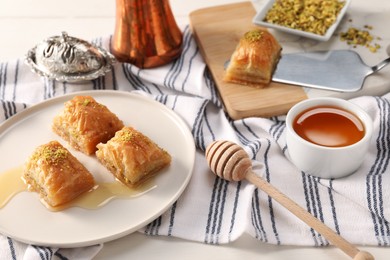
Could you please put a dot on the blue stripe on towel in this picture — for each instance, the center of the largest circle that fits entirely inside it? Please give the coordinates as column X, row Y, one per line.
column 197, row 130
column 256, row 219
column 5, row 109
column 172, row 218
column 318, row 204
column 15, row 80
column 333, row 206
column 9, row 108
column 39, row 251
column 375, row 169
column 374, row 177
column 219, row 213
column 186, row 48
column 175, row 99
column 194, row 55
column 99, row 83
column 209, row 128
column 217, row 200
column 210, row 84
column 60, row 256
column 277, row 130
column 3, row 79
column 243, row 139
column 134, row 81
column 114, row 79
column 11, row 248
column 306, row 190
column 178, row 64
column 153, row 227
column 210, row 211
column 45, row 253
column 235, row 205
column 270, row 201
column 50, row 86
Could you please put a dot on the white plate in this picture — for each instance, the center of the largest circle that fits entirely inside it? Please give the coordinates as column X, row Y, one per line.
column 259, row 17
column 26, row 219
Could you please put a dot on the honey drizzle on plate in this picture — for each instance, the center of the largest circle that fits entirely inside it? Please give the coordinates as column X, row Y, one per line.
column 11, row 183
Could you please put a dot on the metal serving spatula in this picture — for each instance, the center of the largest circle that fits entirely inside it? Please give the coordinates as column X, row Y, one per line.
column 338, row 70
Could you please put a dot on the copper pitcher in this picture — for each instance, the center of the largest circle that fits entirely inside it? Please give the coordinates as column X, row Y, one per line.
column 146, row 33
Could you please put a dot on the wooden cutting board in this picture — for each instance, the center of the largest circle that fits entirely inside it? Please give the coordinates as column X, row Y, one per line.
column 217, row 31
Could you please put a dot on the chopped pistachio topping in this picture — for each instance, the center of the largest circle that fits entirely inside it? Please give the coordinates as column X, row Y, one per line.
column 354, row 37
column 51, row 154
column 306, row 15
column 129, row 135
column 253, row 35
column 126, row 136
column 86, row 102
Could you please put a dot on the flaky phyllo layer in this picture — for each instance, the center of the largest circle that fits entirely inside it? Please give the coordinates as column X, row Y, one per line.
column 84, row 123
column 132, row 157
column 54, row 173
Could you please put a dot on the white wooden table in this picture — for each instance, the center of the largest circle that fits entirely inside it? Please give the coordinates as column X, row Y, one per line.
column 23, row 23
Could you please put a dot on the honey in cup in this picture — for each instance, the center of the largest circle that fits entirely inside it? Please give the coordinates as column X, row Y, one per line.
column 327, row 137
column 329, row 126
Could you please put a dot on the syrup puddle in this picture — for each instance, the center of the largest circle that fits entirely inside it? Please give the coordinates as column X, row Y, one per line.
column 11, row 183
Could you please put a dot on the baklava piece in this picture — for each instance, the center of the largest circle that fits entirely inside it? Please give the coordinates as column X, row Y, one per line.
column 132, row 157
column 54, row 173
column 84, row 123
column 254, row 59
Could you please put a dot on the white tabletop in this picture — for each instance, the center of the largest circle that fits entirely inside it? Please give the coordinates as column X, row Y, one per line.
column 23, row 23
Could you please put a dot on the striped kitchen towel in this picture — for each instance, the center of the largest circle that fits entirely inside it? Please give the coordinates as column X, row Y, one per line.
column 212, row 210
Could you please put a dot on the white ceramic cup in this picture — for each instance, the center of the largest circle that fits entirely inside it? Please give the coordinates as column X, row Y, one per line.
column 323, row 161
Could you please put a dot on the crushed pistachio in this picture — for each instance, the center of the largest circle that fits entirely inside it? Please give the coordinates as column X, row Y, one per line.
column 126, row 136
column 369, row 27
column 131, row 135
column 89, row 102
column 306, row 15
column 355, row 37
column 51, row 154
column 86, row 102
column 253, row 35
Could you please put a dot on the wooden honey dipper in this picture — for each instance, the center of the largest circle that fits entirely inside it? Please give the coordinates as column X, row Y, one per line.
column 230, row 162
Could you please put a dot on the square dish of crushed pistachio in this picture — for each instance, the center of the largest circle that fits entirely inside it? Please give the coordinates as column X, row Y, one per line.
column 312, row 19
